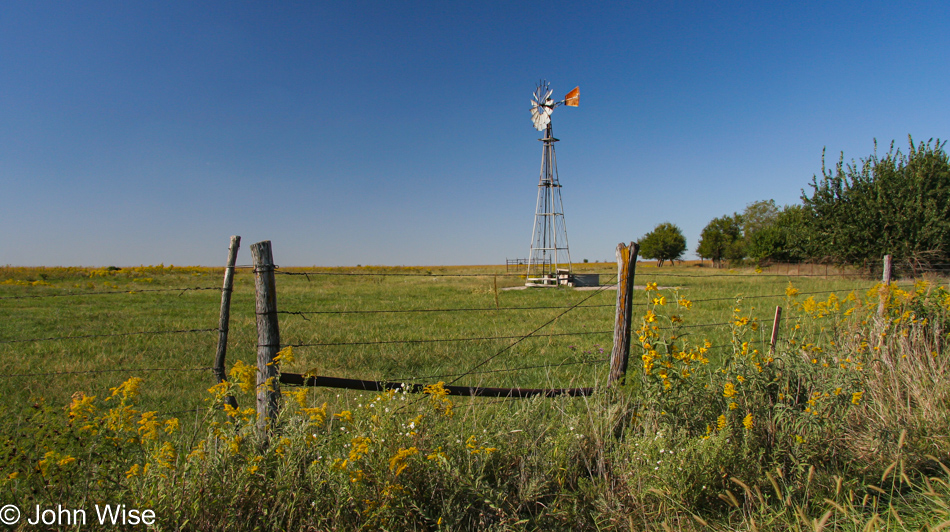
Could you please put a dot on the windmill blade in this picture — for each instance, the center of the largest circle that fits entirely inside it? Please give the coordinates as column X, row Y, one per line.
column 540, row 117
column 573, row 98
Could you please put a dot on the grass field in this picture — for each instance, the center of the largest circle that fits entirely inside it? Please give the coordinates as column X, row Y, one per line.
column 755, row 444
column 100, row 303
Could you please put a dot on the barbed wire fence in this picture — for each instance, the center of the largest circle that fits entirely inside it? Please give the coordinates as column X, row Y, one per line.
column 476, row 369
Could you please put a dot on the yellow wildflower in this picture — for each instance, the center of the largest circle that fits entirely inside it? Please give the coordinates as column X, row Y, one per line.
column 729, row 390
column 397, row 464
column 128, row 389
column 171, row 425
column 81, row 407
column 747, row 421
column 148, row 426
column 359, row 447
column 245, row 375
column 318, row 414
column 284, row 355
column 438, row 393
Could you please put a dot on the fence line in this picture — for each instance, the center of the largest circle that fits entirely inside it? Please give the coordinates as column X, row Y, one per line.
column 438, row 340
column 505, row 370
column 114, row 370
column 492, row 309
column 105, row 335
column 370, row 274
column 396, row 311
column 134, row 291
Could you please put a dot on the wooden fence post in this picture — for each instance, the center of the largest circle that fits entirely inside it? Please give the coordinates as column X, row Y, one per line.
column 268, row 334
column 218, row 369
column 886, row 281
column 775, row 323
column 626, row 267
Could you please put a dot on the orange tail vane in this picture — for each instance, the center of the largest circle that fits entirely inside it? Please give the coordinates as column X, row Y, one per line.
column 573, row 98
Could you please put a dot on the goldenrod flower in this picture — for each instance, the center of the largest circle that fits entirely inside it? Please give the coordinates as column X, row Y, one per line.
column 285, row 355
column 729, row 390
column 128, row 389
column 81, row 407
column 721, row 422
column 397, row 464
column 790, row 290
column 148, row 426
column 244, row 375
column 318, row 414
column 747, row 421
column 359, row 447
column 436, row 454
column 856, row 397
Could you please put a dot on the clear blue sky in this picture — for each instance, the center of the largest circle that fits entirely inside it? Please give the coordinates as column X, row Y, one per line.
column 399, row 133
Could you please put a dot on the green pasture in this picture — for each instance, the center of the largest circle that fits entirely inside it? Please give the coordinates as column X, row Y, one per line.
column 85, row 324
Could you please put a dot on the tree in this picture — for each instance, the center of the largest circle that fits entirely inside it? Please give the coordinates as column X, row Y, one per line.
column 897, row 205
column 721, row 239
column 785, row 239
column 665, row 242
column 757, row 216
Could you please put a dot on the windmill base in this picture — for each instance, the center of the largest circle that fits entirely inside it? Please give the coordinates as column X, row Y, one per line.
column 563, row 278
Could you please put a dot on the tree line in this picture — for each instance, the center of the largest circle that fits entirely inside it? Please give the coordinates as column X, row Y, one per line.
column 896, row 204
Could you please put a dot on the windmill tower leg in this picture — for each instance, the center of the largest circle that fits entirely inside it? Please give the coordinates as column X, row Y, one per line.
column 549, row 260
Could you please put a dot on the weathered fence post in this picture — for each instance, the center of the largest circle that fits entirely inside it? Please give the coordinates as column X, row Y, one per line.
column 219, row 371
column 775, row 322
column 626, row 267
column 268, row 333
column 886, row 281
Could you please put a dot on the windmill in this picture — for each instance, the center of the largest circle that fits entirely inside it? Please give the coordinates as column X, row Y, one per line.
column 549, row 261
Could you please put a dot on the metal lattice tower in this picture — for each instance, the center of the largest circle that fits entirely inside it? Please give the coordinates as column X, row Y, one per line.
column 549, row 260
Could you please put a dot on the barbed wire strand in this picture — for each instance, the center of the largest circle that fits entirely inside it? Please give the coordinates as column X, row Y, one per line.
column 132, row 291
column 491, row 309
column 523, row 368
column 434, row 340
column 215, row 329
column 113, row 370
column 397, row 311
